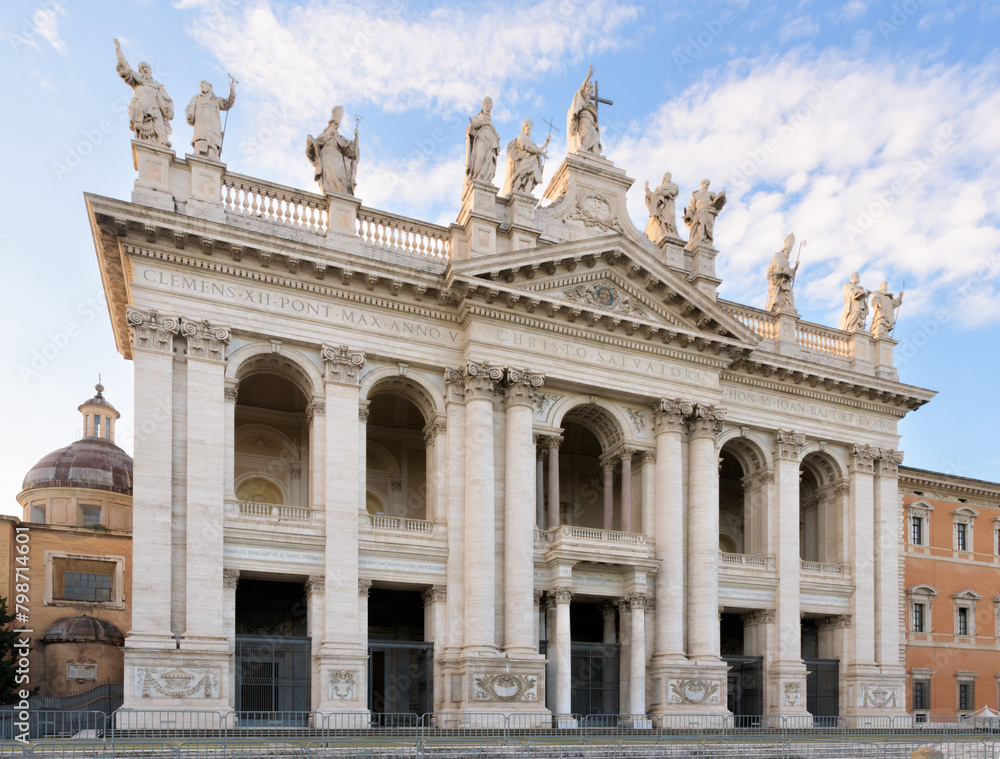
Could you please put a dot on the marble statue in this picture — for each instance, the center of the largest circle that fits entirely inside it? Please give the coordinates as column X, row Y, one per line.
column 662, row 221
column 780, row 277
column 700, row 213
column 203, row 114
column 151, row 108
column 884, row 305
column 582, row 133
column 482, row 144
column 334, row 156
column 524, row 162
column 855, row 312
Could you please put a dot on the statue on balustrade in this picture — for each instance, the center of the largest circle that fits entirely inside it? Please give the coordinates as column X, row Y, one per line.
column 662, row 222
column 884, row 305
column 855, row 312
column 334, row 156
column 700, row 213
column 525, row 160
column 482, row 145
column 203, row 114
column 582, row 132
column 151, row 108
column 780, row 277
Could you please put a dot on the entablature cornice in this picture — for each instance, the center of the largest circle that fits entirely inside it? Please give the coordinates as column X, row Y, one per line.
column 951, row 485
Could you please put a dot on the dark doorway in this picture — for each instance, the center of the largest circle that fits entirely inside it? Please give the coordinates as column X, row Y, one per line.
column 272, row 653
column 823, row 689
column 594, row 661
column 745, row 689
column 400, row 661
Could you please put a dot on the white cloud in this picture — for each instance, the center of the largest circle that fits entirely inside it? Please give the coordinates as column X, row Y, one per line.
column 799, row 28
column 884, row 167
column 852, row 9
column 46, row 24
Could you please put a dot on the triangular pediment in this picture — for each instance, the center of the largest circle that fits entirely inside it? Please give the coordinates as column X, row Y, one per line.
column 609, row 280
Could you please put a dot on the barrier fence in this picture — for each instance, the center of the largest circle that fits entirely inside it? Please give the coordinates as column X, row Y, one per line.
column 499, row 748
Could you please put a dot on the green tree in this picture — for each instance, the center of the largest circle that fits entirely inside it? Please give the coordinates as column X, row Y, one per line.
column 8, row 656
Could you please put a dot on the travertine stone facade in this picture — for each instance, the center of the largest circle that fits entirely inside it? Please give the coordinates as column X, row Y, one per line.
column 521, row 416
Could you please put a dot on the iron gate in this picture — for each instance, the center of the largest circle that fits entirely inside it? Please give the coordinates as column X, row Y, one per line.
column 744, row 697
column 823, row 689
column 594, row 672
column 272, row 678
column 400, row 677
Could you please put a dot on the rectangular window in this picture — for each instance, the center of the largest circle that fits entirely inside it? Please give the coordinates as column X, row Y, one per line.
column 90, row 515
column 80, row 586
column 918, row 618
column 921, row 694
column 97, row 425
column 961, row 537
column 965, row 700
column 107, row 427
column 963, row 621
column 917, row 532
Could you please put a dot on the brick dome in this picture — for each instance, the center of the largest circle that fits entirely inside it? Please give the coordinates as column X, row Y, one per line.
column 82, row 628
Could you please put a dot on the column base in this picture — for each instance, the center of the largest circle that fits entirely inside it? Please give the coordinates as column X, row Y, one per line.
column 786, row 689
column 872, row 692
column 476, row 683
column 159, row 681
column 681, row 687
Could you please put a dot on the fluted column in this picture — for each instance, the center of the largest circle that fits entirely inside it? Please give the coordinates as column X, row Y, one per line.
column 637, row 654
column 787, row 673
column 669, row 421
column 153, row 360
column 480, row 518
column 206, row 416
column 562, row 650
column 608, row 464
column 703, row 533
column 887, row 526
column 626, row 517
column 553, row 442
column 519, row 492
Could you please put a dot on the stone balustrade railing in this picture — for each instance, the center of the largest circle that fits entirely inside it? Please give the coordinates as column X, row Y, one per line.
column 747, row 560
column 272, row 202
column 761, row 322
column 398, row 523
column 816, row 566
column 823, row 339
column 404, row 235
column 610, row 536
column 273, row 511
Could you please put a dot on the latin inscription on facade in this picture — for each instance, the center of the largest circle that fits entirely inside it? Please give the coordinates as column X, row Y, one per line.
column 732, row 396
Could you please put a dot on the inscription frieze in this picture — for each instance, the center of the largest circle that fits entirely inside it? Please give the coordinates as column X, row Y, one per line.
column 804, row 408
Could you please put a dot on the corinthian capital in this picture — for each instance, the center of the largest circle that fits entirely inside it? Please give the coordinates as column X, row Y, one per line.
column 888, row 462
column 863, row 458
column 788, row 445
column 151, row 331
column 342, row 365
column 520, row 386
column 705, row 420
column 669, row 415
column 480, row 380
column 205, row 340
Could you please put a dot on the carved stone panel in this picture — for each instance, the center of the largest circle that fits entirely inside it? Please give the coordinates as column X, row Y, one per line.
column 506, row 687
column 177, row 682
column 694, row 691
column 343, row 685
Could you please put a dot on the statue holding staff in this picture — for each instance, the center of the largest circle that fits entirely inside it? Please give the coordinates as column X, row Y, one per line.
column 884, row 305
column 151, row 108
column 524, row 162
column 855, row 312
column 334, row 156
column 482, row 145
column 203, row 114
column 780, row 276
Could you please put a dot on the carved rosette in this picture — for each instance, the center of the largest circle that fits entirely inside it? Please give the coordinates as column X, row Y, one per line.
column 230, row 578
column 520, row 386
column 694, row 691
column 150, row 331
column 506, row 687
column 788, row 445
column 863, row 458
column 176, row 682
column 669, row 415
column 706, row 421
column 205, row 341
column 342, row 685
column 878, row 696
column 888, row 462
column 342, row 365
column 480, row 380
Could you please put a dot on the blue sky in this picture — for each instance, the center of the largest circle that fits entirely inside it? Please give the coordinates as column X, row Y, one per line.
column 867, row 128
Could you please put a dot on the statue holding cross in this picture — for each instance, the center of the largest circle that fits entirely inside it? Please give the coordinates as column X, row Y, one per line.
column 582, row 132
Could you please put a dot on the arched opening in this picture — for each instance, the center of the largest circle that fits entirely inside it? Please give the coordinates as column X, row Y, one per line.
column 395, row 458
column 743, row 499
column 731, row 505
column 271, row 442
column 820, row 510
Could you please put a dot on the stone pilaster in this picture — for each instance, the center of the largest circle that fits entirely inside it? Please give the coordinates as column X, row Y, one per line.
column 561, row 651
column 552, row 443
column 230, row 581
column 455, row 436
column 888, row 519
column 626, row 455
column 637, row 655
column 608, row 464
column 436, row 630
column 786, row 685
column 342, row 658
column 315, row 587
column 436, row 445
column 860, row 638
column 230, row 391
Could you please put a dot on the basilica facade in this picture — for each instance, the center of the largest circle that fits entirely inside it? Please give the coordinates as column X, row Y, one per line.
column 528, row 463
